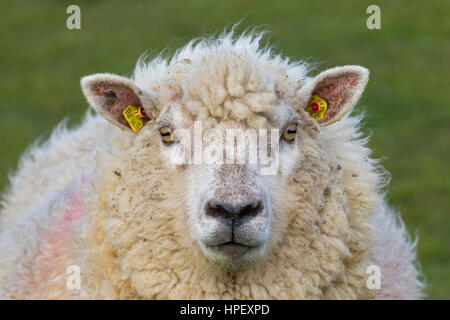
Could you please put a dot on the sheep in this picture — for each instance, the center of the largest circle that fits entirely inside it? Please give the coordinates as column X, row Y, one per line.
column 128, row 202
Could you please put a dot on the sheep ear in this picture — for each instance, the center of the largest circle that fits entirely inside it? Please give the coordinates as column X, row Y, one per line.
column 335, row 91
column 111, row 94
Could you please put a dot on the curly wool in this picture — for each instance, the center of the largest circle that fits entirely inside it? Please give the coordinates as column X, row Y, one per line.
column 224, row 78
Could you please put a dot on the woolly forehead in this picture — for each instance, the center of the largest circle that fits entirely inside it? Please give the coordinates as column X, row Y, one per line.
column 223, row 86
column 177, row 115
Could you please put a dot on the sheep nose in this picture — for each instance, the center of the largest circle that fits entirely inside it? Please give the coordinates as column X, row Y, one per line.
column 234, row 214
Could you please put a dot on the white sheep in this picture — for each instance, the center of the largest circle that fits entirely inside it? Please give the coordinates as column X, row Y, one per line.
column 142, row 215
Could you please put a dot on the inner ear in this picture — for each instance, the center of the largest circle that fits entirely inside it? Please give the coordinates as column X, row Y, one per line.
column 115, row 98
column 335, row 91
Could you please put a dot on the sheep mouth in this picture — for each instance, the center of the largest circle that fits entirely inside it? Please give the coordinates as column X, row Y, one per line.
column 233, row 244
column 232, row 247
column 232, row 256
column 234, row 250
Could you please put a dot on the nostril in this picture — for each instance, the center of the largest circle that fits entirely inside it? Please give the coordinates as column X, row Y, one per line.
column 216, row 210
column 251, row 209
column 233, row 212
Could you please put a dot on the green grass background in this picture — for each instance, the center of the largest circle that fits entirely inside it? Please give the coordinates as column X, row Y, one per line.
column 406, row 102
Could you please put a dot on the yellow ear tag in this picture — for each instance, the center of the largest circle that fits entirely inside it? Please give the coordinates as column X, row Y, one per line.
column 134, row 116
column 317, row 107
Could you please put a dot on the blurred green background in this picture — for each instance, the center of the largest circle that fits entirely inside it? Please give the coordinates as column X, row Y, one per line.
column 406, row 102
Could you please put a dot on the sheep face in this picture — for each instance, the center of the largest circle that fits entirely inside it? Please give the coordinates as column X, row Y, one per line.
column 235, row 176
column 237, row 141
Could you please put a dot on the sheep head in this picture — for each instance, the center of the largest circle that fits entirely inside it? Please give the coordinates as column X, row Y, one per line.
column 235, row 129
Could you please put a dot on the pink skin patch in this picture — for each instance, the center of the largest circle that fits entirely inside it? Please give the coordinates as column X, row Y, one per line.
column 56, row 251
column 75, row 212
column 390, row 269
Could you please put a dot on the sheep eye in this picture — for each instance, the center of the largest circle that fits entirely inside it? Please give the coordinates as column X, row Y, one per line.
column 166, row 134
column 290, row 132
